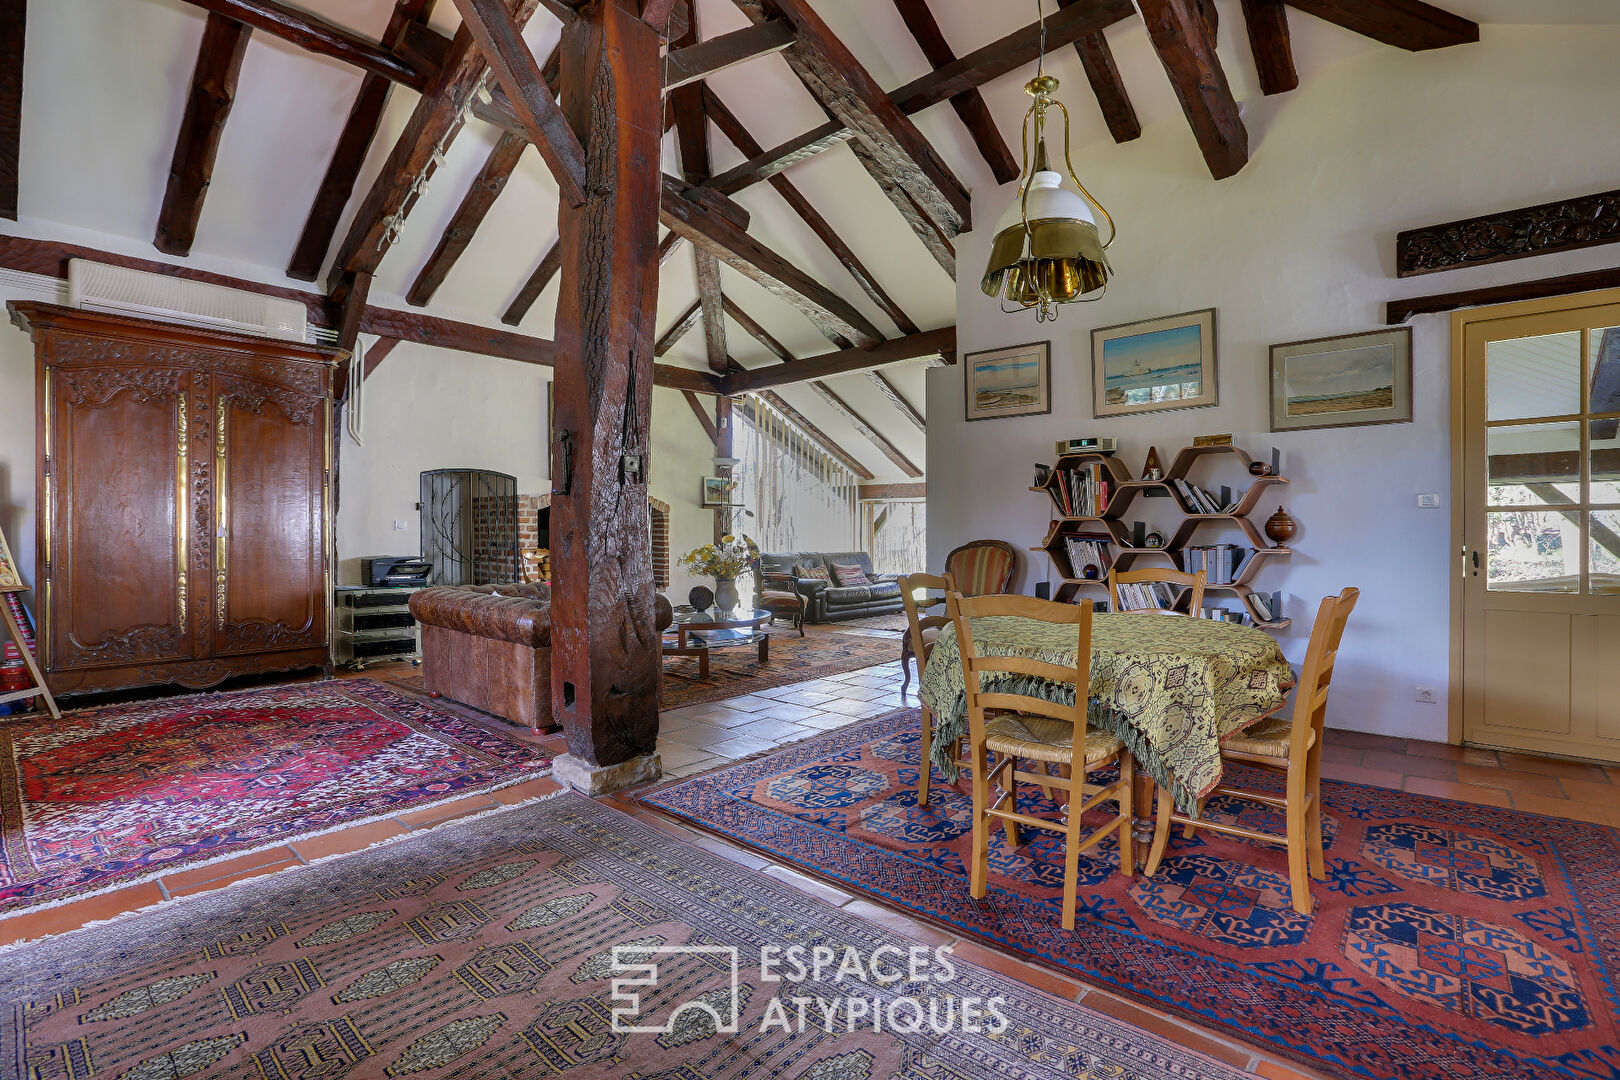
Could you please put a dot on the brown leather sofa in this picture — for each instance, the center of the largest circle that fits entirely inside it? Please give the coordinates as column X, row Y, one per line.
column 489, row 646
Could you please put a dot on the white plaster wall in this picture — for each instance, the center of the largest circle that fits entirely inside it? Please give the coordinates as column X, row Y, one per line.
column 1301, row 245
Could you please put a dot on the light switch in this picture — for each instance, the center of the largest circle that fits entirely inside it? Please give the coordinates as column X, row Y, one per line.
column 1428, row 502
column 399, row 526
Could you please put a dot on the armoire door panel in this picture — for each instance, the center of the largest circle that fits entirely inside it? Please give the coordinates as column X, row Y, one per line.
column 271, row 547
column 118, row 483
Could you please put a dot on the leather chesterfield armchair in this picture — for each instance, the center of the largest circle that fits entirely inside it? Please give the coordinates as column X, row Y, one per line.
column 489, row 646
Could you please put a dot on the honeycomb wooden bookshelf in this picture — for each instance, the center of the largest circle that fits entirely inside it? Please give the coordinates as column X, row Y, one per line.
column 1124, row 490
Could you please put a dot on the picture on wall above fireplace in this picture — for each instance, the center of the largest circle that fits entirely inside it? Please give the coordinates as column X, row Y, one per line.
column 1154, row 365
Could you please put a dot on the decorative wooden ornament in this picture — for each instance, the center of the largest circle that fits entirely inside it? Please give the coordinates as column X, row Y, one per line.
column 1280, row 527
column 1151, row 469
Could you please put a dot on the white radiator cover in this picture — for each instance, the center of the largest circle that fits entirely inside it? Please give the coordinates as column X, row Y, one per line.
column 117, row 290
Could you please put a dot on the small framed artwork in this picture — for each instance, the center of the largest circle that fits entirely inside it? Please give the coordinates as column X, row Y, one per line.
column 717, row 490
column 1342, row 381
column 1015, row 381
column 1154, row 365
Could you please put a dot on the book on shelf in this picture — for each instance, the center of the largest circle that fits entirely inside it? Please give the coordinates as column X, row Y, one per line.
column 1147, row 595
column 1267, row 606
column 1081, row 492
column 1220, row 614
column 1219, row 562
column 1204, row 501
column 1089, row 549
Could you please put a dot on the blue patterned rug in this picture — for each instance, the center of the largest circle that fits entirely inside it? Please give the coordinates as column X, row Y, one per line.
column 1449, row 942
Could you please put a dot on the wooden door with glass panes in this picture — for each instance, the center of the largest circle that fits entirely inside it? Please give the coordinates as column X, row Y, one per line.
column 1541, row 530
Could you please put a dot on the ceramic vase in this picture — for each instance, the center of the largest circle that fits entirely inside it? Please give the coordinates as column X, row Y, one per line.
column 725, row 594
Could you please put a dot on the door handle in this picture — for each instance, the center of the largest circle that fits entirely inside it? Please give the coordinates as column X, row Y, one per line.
column 1476, row 563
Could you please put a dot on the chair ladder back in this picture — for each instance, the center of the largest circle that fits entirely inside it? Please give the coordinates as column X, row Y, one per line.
column 964, row 609
column 917, row 620
column 1316, row 673
column 1194, row 582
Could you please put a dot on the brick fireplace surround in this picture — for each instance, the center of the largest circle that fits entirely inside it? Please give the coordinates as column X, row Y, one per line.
column 529, row 507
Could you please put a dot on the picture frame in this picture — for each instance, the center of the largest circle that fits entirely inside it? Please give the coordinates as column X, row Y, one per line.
column 1155, row 365
column 1011, row 381
column 717, row 491
column 1349, row 380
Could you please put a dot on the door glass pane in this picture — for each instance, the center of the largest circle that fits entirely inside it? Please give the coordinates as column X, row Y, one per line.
column 1605, row 436
column 1534, row 464
column 1605, row 551
column 1533, row 551
column 1533, row 376
column 1605, row 370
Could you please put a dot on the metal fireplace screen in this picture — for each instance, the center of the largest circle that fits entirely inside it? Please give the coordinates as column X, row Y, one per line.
column 470, row 526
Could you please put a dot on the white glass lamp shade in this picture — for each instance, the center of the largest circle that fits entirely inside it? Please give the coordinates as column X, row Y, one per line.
column 1058, row 257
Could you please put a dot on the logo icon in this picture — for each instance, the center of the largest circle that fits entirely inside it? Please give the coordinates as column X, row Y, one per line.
column 643, row 962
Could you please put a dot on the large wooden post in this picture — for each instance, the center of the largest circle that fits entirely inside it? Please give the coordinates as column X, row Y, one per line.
column 605, row 659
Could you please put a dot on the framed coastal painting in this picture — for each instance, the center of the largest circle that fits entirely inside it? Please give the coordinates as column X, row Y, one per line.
column 717, row 491
column 1342, row 381
column 1154, row 365
column 1015, row 381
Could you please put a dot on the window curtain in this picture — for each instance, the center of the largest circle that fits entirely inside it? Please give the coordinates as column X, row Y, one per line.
column 795, row 496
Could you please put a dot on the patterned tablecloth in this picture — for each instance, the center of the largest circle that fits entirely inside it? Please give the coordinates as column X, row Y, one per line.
column 1172, row 688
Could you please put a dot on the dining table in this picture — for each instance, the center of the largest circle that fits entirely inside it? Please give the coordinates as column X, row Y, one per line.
column 1169, row 686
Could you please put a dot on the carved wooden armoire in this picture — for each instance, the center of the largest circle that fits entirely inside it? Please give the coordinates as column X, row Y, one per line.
column 184, row 508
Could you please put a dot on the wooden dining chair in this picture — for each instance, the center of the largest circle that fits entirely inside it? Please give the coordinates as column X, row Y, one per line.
column 925, row 628
column 1034, row 729
column 1290, row 746
column 1195, row 582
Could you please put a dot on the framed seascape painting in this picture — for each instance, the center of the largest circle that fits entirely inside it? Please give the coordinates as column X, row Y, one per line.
column 1154, row 365
column 1342, row 381
column 1015, row 381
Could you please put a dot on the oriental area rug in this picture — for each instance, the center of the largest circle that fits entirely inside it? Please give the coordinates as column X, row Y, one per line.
column 107, row 797
column 734, row 672
column 1449, row 942
column 486, row 951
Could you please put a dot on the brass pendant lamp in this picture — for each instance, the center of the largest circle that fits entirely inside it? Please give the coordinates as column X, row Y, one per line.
column 1047, row 250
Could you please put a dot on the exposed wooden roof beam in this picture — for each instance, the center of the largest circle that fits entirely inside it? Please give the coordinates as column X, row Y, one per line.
column 969, row 104
column 848, row 460
column 702, row 415
column 975, row 69
column 872, row 435
column 679, row 329
column 436, row 119
column 365, row 116
column 843, row 86
column 1106, row 85
column 550, row 262
column 1182, row 39
column 733, row 129
column 917, row 490
column 377, row 353
column 213, row 91
column 758, row 332
column 1406, row 24
column 317, row 35
column 933, row 238
column 892, row 392
column 711, row 302
column 13, row 26
column 695, row 62
column 1273, row 48
column 500, row 39
column 713, row 233
column 910, row 347
column 486, row 187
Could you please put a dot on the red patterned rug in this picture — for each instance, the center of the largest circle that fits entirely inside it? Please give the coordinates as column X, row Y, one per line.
column 1449, row 942
column 487, row 951
column 110, row 796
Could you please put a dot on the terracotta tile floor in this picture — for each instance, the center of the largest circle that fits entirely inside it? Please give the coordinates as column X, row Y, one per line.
column 702, row 737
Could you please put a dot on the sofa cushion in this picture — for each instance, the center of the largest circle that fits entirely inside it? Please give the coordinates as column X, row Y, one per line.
column 843, row 596
column 850, row 574
column 812, row 572
column 885, row 590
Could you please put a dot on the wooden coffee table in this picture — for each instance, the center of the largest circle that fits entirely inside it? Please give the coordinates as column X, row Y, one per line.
column 696, row 632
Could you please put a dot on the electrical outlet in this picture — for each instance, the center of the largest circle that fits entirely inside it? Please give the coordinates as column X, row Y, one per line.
column 1426, row 694
column 399, row 526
